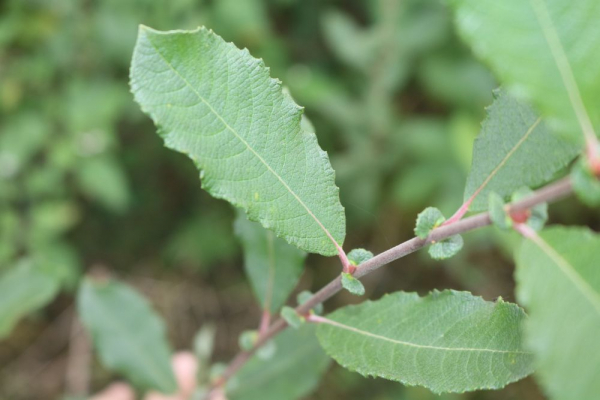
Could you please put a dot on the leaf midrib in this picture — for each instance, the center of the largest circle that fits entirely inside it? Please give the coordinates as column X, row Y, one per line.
column 569, row 270
column 241, row 139
column 505, row 159
column 564, row 67
column 420, row 346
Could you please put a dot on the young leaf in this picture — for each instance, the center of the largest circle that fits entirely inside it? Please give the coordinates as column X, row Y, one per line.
column 352, row 284
column 558, row 280
column 23, row 289
column 541, row 49
column 427, row 220
column 128, row 335
column 359, row 256
column 514, row 149
column 446, row 248
column 218, row 105
column 498, row 214
column 585, row 184
column 447, row 341
column 272, row 265
column 292, row 373
column 291, row 317
column 247, row 339
column 103, row 180
column 303, row 297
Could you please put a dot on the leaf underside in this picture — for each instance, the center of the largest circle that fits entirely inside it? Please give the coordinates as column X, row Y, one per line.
column 447, row 341
column 291, row 373
column 128, row 335
column 558, row 280
column 23, row 289
column 218, row 105
column 514, row 148
column 272, row 265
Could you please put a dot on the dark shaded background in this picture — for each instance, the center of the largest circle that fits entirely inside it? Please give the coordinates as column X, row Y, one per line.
column 396, row 100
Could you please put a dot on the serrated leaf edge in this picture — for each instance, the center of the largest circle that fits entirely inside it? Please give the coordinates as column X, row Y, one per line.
column 323, row 154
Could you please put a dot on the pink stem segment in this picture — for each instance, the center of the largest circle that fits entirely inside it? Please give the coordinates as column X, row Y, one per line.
column 525, row 230
column 461, row 211
column 593, row 155
column 265, row 320
column 346, row 265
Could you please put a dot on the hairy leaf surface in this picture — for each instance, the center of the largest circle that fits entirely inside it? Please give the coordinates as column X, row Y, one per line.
column 272, row 265
column 514, row 149
column 24, row 289
column 128, row 335
column 293, row 372
column 558, row 280
column 218, row 105
column 545, row 51
column 447, row 341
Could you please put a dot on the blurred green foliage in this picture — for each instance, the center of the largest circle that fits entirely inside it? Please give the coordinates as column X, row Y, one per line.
column 395, row 98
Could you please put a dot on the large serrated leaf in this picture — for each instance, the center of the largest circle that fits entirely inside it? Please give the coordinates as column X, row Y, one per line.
column 128, row 335
column 514, row 149
column 292, row 372
column 272, row 265
column 447, row 341
column 218, row 105
column 23, row 289
column 545, row 51
column 558, row 280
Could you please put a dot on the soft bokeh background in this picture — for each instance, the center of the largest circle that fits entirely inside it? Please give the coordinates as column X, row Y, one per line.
column 396, row 100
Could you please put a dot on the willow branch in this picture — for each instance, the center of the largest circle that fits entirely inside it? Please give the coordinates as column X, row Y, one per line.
column 549, row 193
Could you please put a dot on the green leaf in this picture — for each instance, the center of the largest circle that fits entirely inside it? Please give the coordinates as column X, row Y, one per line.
column 514, row 148
column 247, row 339
column 352, row 284
column 544, row 51
column 291, row 317
column 585, row 184
column 353, row 45
column 61, row 261
column 498, row 214
column 103, row 180
column 218, row 105
column 429, row 219
column 558, row 280
column 21, row 137
column 359, row 256
column 447, row 341
column 292, row 373
column 272, row 265
column 128, row 335
column 446, row 248
column 24, row 288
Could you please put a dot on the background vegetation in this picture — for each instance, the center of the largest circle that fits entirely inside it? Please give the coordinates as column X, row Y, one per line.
column 396, row 100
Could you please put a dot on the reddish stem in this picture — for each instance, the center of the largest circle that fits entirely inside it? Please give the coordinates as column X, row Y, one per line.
column 525, row 230
column 316, row 319
column 265, row 320
column 346, row 265
column 461, row 211
column 593, row 155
